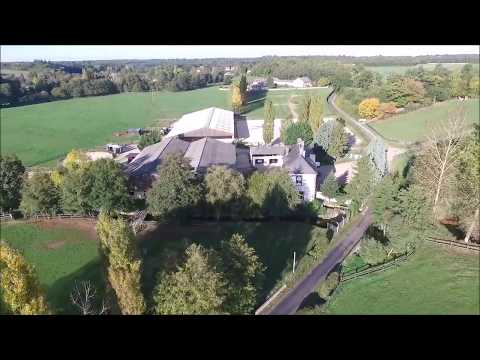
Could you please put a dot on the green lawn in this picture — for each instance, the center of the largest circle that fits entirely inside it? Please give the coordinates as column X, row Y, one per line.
column 433, row 281
column 400, row 69
column 415, row 125
column 280, row 102
column 274, row 243
column 60, row 256
column 41, row 133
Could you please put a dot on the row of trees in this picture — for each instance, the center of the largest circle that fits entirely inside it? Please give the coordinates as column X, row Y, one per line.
column 51, row 84
column 79, row 186
column 178, row 193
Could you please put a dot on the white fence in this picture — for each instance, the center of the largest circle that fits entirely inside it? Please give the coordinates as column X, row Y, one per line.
column 6, row 216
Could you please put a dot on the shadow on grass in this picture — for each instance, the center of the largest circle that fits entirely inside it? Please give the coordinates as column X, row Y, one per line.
column 274, row 242
column 311, row 301
column 58, row 294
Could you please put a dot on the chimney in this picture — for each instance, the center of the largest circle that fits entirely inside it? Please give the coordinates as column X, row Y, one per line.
column 301, row 147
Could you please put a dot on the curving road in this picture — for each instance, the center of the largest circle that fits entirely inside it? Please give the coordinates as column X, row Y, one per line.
column 291, row 302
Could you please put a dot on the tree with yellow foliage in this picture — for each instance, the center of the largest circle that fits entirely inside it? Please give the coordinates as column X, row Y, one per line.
column 368, row 108
column 120, row 253
column 237, row 99
column 20, row 291
column 75, row 159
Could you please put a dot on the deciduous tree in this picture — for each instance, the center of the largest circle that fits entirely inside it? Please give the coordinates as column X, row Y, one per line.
column 244, row 274
column 20, row 291
column 368, row 108
column 40, row 195
column 11, row 180
column 176, row 191
column 197, row 287
column 330, row 186
column 268, row 124
column 225, row 189
column 123, row 262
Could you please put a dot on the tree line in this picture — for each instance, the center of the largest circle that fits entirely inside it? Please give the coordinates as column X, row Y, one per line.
column 46, row 84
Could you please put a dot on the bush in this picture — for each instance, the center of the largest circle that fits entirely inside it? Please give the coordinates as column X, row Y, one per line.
column 328, row 285
column 368, row 108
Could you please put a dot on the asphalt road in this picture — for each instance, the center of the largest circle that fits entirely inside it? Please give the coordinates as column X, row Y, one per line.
column 290, row 303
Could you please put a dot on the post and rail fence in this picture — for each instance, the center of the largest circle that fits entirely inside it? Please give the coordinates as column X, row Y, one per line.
column 450, row 243
column 368, row 269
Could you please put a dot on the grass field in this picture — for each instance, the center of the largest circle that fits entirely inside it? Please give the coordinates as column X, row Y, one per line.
column 399, row 69
column 61, row 255
column 274, row 242
column 41, row 133
column 433, row 281
column 415, row 125
column 280, row 102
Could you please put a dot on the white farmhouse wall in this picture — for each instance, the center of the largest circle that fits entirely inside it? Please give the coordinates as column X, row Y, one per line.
column 308, row 185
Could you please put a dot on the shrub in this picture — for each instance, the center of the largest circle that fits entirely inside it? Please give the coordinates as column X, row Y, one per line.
column 328, row 285
column 368, row 108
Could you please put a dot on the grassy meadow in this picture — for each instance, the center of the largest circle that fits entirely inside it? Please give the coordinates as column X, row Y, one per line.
column 435, row 280
column 60, row 256
column 280, row 100
column 415, row 125
column 41, row 133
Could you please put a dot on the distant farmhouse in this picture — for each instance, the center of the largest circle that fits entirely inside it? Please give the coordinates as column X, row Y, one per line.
column 301, row 82
column 208, row 137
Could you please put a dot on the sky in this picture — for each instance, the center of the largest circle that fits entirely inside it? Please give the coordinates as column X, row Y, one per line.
column 112, row 52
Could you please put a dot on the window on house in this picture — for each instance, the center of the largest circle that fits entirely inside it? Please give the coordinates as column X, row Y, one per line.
column 273, row 161
column 259, row 161
column 302, row 195
column 298, row 179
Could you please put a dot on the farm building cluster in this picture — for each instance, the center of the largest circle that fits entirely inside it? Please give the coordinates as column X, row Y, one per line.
column 215, row 136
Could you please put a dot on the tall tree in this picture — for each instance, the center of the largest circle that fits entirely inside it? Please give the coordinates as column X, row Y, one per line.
column 377, row 152
column 244, row 274
column 237, row 100
column 434, row 168
column 413, row 207
column 384, row 202
column 268, row 124
column 272, row 192
column 243, row 88
column 225, row 189
column 362, row 183
column 108, row 190
column 339, row 142
column 316, row 113
column 120, row 253
column 330, row 186
column 298, row 130
column 466, row 194
column 197, row 287
column 40, row 195
column 11, row 180
column 20, row 291
column 305, row 105
column 175, row 192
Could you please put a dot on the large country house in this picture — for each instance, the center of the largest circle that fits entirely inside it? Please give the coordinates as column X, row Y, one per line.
column 206, row 138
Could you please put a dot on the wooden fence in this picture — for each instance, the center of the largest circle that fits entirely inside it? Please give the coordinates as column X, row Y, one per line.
column 464, row 245
column 368, row 269
column 60, row 216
